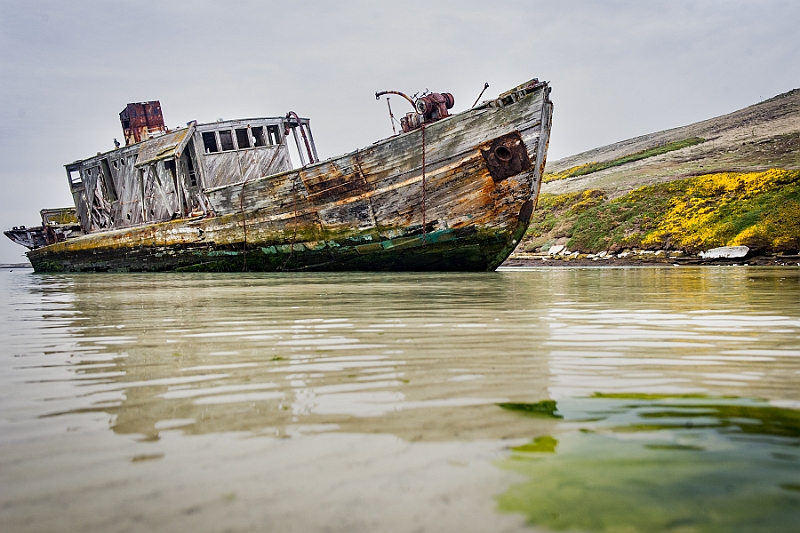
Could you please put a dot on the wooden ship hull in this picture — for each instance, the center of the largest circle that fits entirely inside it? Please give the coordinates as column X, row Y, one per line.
column 455, row 194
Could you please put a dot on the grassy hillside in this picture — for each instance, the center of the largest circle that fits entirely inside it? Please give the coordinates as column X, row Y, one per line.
column 731, row 180
column 595, row 166
column 759, row 209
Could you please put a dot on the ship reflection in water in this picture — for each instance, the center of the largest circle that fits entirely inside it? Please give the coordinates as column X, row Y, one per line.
column 575, row 399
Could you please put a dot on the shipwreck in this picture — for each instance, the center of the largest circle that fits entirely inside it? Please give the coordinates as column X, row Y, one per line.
column 449, row 192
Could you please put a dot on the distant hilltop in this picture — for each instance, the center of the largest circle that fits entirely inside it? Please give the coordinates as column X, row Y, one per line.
column 758, row 137
column 725, row 181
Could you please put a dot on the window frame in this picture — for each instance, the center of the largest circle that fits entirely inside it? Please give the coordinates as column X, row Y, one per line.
column 270, row 136
column 229, row 131
column 213, row 135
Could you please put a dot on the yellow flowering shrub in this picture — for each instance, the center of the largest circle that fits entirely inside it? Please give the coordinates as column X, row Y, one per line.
column 756, row 209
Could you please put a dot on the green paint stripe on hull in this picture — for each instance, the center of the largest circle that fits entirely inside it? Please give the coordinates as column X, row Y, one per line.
column 447, row 250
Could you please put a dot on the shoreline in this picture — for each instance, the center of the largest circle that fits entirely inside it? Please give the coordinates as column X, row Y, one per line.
column 544, row 260
column 792, row 261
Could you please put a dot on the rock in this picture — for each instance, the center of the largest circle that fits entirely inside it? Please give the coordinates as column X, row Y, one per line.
column 602, row 254
column 725, row 252
column 555, row 249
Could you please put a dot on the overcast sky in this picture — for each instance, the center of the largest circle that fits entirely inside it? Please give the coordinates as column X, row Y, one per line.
column 618, row 68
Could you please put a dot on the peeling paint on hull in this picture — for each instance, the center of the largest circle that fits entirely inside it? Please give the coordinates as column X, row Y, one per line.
column 442, row 252
column 361, row 211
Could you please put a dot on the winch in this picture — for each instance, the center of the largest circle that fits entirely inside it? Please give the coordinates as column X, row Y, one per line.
column 428, row 108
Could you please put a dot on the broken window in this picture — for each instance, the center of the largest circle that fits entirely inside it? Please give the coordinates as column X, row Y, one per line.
column 74, row 177
column 108, row 180
column 242, row 138
column 258, row 136
column 169, row 164
column 188, row 156
column 226, row 140
column 210, row 142
column 274, row 135
column 190, row 171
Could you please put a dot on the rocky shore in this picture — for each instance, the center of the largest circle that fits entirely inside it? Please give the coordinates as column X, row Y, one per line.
column 627, row 258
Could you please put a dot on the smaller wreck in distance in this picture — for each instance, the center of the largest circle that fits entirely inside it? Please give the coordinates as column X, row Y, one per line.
column 451, row 192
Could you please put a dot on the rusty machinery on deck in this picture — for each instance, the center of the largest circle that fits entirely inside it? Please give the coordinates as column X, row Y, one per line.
column 428, row 108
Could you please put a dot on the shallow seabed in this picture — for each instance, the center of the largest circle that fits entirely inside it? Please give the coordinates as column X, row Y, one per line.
column 616, row 399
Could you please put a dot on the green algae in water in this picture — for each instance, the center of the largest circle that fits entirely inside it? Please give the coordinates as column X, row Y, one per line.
column 662, row 464
column 543, row 409
column 546, row 444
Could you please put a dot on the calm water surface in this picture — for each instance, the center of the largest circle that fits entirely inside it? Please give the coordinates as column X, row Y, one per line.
column 657, row 399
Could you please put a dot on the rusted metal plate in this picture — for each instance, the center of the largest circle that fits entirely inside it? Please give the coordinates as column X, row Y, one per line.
column 141, row 120
column 506, row 156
